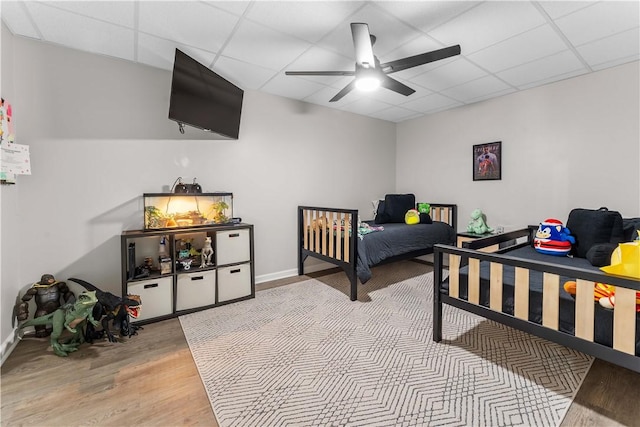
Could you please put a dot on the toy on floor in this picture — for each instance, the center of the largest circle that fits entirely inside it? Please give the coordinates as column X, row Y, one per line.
column 552, row 238
column 111, row 309
column 49, row 295
column 68, row 317
column 478, row 224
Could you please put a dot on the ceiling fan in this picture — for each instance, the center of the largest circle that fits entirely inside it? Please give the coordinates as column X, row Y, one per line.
column 369, row 72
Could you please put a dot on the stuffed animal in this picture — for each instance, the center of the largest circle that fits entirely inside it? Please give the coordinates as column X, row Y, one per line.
column 412, row 217
column 552, row 238
column 477, row 224
column 602, row 294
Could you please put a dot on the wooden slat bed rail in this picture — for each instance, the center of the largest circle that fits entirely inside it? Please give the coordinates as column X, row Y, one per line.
column 624, row 312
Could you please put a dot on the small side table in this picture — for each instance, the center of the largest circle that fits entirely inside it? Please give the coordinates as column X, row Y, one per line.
column 466, row 237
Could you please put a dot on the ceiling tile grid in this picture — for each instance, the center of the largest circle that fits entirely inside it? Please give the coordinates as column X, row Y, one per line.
column 506, row 46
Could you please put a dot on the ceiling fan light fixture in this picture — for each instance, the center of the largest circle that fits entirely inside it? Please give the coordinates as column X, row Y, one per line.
column 367, row 84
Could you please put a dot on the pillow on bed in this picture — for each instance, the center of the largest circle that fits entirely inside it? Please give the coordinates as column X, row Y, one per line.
column 591, row 227
column 394, row 207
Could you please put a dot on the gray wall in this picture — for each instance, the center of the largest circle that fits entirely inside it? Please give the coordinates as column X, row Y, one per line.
column 574, row 143
column 99, row 138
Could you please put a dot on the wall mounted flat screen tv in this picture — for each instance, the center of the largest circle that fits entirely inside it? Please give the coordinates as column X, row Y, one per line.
column 203, row 99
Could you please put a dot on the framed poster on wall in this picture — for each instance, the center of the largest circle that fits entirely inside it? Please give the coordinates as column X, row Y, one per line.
column 487, row 161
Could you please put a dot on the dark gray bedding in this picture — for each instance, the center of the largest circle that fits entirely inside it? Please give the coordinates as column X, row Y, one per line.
column 398, row 239
column 603, row 318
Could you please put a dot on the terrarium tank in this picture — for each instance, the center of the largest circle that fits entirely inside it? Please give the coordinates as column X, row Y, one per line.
column 175, row 210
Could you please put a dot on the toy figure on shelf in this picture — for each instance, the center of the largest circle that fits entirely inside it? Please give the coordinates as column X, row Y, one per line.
column 207, row 253
column 49, row 296
column 478, row 224
column 69, row 317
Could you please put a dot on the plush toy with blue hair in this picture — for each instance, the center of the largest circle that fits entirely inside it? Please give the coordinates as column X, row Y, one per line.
column 552, row 238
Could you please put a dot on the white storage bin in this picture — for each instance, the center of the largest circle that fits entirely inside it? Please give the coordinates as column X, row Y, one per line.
column 156, row 295
column 197, row 289
column 232, row 246
column 234, row 282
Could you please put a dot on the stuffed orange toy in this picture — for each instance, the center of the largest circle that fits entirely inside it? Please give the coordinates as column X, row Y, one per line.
column 603, row 294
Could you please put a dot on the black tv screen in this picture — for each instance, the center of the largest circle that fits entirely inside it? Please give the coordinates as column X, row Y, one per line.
column 203, row 99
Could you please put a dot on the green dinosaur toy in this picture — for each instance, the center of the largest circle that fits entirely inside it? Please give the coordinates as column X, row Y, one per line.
column 68, row 317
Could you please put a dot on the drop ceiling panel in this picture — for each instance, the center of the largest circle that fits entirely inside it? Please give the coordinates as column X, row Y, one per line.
column 82, row 33
column 488, row 24
column 559, row 64
column 534, row 44
column 255, row 43
column 188, row 23
column 600, row 20
column 284, row 16
column 506, row 45
column 623, row 46
column 451, row 74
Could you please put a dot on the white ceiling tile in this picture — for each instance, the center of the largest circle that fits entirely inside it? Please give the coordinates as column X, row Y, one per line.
column 600, row 20
column 323, row 96
column 487, row 24
column 86, row 34
column 476, row 89
column 389, row 31
column 160, row 53
column 430, row 102
column 534, row 44
column 188, row 23
column 557, row 8
column 237, row 7
column 365, row 106
column 15, row 16
column 555, row 78
column 395, row 114
column 244, row 75
column 426, row 15
column 260, row 45
column 622, row 46
column 291, row 87
column 451, row 74
column 284, row 16
column 114, row 12
column 490, row 95
column 545, row 68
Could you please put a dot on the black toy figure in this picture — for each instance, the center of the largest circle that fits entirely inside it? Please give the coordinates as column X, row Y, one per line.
column 48, row 293
column 111, row 308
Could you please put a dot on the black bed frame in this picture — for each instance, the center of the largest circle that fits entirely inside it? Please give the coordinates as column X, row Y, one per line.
column 470, row 251
column 348, row 263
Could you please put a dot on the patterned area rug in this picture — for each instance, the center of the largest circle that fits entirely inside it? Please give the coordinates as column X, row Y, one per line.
column 305, row 355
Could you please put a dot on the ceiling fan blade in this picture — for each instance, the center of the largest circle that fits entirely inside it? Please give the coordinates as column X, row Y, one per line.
column 396, row 86
column 345, row 90
column 320, row 73
column 362, row 44
column 423, row 58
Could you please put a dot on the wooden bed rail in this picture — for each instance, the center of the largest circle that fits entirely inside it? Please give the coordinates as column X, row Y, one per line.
column 329, row 234
column 624, row 312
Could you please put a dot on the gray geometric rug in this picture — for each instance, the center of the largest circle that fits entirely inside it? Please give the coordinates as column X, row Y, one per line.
column 305, row 355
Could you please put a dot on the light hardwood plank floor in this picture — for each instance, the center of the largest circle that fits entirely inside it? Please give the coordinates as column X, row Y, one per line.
column 151, row 380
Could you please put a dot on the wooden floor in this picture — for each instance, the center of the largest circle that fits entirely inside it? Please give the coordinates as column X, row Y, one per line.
column 151, row 380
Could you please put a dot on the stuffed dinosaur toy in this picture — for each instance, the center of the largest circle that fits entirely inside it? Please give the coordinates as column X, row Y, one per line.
column 68, row 317
column 477, row 224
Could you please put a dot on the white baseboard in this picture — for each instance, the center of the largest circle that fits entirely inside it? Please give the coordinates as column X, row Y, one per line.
column 311, row 268
column 9, row 345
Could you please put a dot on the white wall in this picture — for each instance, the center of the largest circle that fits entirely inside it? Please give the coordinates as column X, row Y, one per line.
column 574, row 143
column 91, row 165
